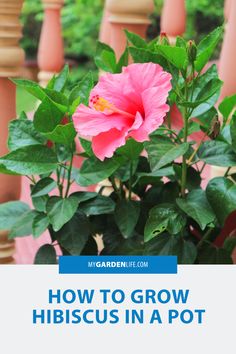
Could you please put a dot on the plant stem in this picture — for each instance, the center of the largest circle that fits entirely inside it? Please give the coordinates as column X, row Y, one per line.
column 169, row 120
column 31, row 179
column 204, row 238
column 227, row 172
column 184, row 165
column 69, row 176
column 203, row 166
column 114, row 186
column 130, row 180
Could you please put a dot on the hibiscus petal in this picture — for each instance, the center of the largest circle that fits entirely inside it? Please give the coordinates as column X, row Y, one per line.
column 89, row 122
column 155, row 110
column 117, row 89
column 147, row 75
column 105, row 144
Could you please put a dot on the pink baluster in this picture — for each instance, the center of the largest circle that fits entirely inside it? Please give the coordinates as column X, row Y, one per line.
column 227, row 70
column 131, row 15
column 51, row 49
column 105, row 29
column 173, row 19
column 227, row 9
column 11, row 59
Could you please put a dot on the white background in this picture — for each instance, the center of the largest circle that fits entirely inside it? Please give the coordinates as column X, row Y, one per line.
column 23, row 288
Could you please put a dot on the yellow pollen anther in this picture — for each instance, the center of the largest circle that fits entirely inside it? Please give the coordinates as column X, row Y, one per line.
column 100, row 104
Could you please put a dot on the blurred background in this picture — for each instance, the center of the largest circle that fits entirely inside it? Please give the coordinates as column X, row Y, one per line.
column 81, row 22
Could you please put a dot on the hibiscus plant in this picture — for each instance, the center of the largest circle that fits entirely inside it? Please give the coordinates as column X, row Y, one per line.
column 129, row 157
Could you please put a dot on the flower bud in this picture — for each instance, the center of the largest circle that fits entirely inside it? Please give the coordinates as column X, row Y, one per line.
column 163, row 39
column 65, row 120
column 215, row 128
column 192, row 51
column 49, row 144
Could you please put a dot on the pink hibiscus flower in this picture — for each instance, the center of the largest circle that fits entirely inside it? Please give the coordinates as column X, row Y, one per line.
column 130, row 104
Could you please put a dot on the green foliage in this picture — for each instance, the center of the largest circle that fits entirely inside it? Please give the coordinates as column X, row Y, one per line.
column 164, row 217
column 60, row 210
column 126, row 216
column 46, row 255
column 197, row 207
column 150, row 199
column 221, row 194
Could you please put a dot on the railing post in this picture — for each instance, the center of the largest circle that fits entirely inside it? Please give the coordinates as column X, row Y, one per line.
column 173, row 19
column 131, row 15
column 227, row 9
column 11, row 60
column 51, row 48
column 105, row 28
column 227, row 70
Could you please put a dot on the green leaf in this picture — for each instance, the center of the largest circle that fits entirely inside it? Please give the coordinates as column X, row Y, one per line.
column 135, row 40
column 207, row 118
column 197, row 207
column 23, row 116
column 193, row 177
column 221, row 194
column 82, row 90
column 204, row 97
column 74, row 234
column 123, row 61
column 175, row 55
column 161, row 218
column 145, row 56
column 217, row 153
column 181, row 42
column 10, row 213
column 163, row 172
column 40, row 224
column 60, row 210
column 62, row 134
column 22, row 133
column 161, row 151
column 172, row 155
column 126, row 216
column 50, row 84
column 105, row 58
column 206, row 91
column 156, row 148
column 206, row 48
column 61, row 79
column 23, row 226
column 47, row 116
column 167, row 245
column 46, row 255
column 209, row 254
column 87, row 146
column 40, row 203
column 43, row 187
column 131, row 150
column 30, row 160
column 58, row 98
column 227, row 105
column 84, row 196
column 97, row 206
column 233, row 132
column 94, row 171
column 32, row 87
column 123, row 173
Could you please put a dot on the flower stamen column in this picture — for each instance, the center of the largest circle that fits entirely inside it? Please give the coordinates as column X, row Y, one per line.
column 132, row 15
column 11, row 60
column 51, row 48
